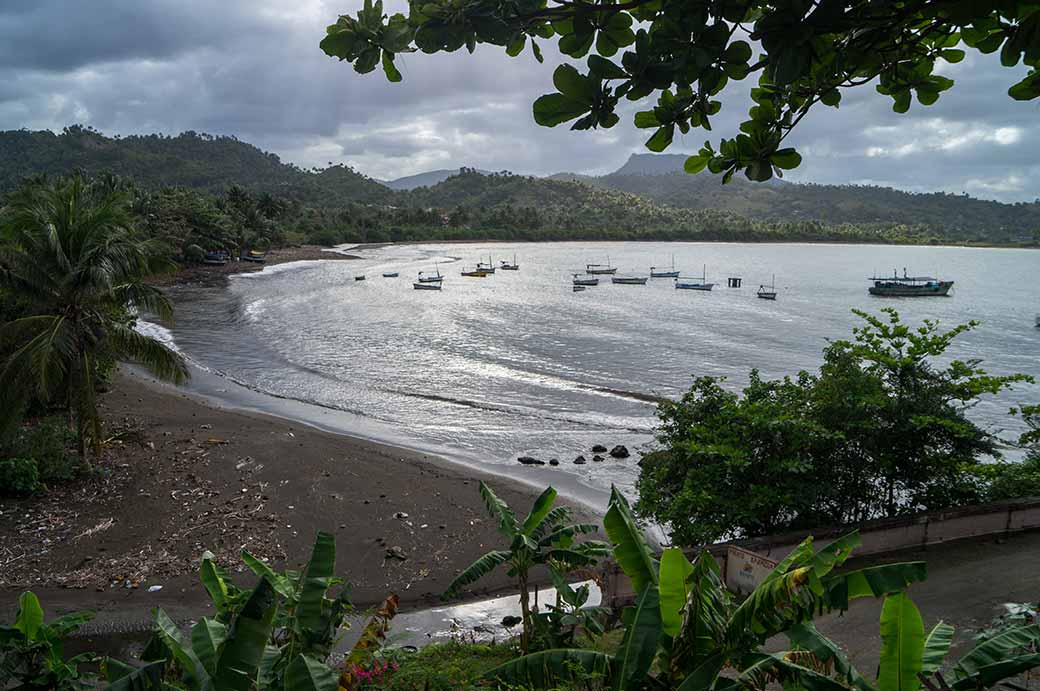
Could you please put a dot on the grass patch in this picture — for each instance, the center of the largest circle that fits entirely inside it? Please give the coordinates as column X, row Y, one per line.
column 443, row 666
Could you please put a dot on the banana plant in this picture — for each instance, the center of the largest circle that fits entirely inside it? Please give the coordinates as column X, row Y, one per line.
column 544, row 538
column 32, row 652
column 910, row 659
column 684, row 628
column 276, row 636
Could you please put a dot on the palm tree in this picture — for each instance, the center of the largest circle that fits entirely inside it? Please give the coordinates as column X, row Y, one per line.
column 544, row 538
column 71, row 256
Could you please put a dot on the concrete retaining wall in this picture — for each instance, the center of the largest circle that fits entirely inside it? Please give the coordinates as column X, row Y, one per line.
column 878, row 537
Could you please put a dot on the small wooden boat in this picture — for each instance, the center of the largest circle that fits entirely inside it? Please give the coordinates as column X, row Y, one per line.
column 579, row 281
column 427, row 286
column 253, row 256
column 431, row 278
column 506, row 266
column 670, row 273
column 629, row 280
column 577, row 289
column 216, row 258
column 600, row 269
column 769, row 294
column 476, row 273
column 486, row 267
column 909, row 286
column 390, row 274
column 687, row 284
column 359, row 278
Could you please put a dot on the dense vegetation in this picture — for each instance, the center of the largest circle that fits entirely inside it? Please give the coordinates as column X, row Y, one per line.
column 220, row 193
column 675, row 59
column 685, row 631
column 879, row 431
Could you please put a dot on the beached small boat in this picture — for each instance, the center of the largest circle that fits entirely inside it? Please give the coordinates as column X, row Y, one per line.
column 216, row 258
column 579, row 281
column 253, row 256
column 770, row 293
column 390, row 274
column 629, row 280
column 506, row 266
column 600, row 268
column 427, row 286
column 689, row 284
column 577, row 289
column 667, row 273
column 359, row 278
column 909, row 286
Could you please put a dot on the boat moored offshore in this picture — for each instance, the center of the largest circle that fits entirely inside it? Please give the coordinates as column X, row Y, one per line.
column 906, row 286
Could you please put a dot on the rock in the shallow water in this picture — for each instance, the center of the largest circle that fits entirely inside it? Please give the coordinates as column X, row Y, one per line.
column 510, row 621
column 580, row 460
column 597, row 459
column 553, row 461
column 530, row 460
column 619, row 451
column 599, row 448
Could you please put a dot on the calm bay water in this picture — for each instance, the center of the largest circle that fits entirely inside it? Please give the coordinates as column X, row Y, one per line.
column 518, row 364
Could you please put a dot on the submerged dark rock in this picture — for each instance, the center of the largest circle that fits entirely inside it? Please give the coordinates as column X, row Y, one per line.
column 530, row 460
column 619, row 451
column 599, row 448
column 580, row 460
column 597, row 459
column 553, row 461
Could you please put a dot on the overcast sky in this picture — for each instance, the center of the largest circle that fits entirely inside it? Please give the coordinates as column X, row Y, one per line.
column 252, row 68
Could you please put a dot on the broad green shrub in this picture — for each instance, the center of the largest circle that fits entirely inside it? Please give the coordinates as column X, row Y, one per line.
column 438, row 667
column 49, row 443
column 18, row 476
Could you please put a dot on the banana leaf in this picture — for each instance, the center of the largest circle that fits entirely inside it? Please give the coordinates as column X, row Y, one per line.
column 30, row 615
column 630, row 548
column 872, row 582
column 542, row 506
column 997, row 649
column 554, row 668
column 902, row 645
column 124, row 677
column 633, row 659
column 317, row 577
column 988, row 676
column 806, row 637
column 704, row 618
column 477, row 570
column 281, row 584
column 507, row 523
column 307, row 674
column 936, row 646
column 760, row 669
column 192, row 671
column 206, row 638
column 237, row 669
column 675, row 569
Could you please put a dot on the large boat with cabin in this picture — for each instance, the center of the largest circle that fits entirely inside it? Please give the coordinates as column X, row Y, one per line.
column 906, row 286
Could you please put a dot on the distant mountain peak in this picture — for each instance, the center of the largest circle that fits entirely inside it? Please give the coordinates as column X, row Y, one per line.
column 652, row 164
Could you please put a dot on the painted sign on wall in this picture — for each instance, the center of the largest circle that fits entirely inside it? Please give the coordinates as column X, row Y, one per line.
column 745, row 569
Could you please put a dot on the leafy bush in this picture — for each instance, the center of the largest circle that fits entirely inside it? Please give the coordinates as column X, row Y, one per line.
column 48, row 443
column 32, row 654
column 18, row 476
column 440, row 666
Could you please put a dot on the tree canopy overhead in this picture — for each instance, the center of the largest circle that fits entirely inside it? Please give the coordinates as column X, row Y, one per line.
column 680, row 54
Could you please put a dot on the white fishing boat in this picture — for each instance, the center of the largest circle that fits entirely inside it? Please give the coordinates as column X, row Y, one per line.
column 691, row 284
column 506, row 266
column 487, row 267
column 601, row 269
column 669, row 273
column 427, row 286
column 431, row 278
column 769, row 294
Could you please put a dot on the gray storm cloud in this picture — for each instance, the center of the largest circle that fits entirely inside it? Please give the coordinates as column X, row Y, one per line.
column 253, row 69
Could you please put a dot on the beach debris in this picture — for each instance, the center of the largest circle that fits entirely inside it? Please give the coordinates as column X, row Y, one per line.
column 154, row 588
column 205, row 426
column 396, row 552
column 599, row 448
column 553, row 461
column 597, row 459
column 529, row 460
column 103, row 525
column 401, row 515
column 619, row 451
column 580, row 460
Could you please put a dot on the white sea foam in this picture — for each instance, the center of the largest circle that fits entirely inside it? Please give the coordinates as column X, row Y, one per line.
column 158, row 332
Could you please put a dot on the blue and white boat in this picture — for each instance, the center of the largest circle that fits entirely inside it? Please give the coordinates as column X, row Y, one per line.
column 693, row 284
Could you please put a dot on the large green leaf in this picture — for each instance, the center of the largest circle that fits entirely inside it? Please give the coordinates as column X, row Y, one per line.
column 192, row 671
column 30, row 615
column 998, row 648
column 213, row 581
column 902, row 645
column 316, row 579
column 703, row 676
column 554, row 109
column 282, row 585
column 239, row 662
column 123, row 677
column 704, row 618
column 554, row 668
column 675, row 569
column 477, row 570
column 206, row 638
column 630, row 548
column 639, row 647
column 542, row 506
column 806, row 637
column 758, row 669
column 307, row 674
column 989, row 675
column 875, row 581
column 936, row 646
column 507, row 523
